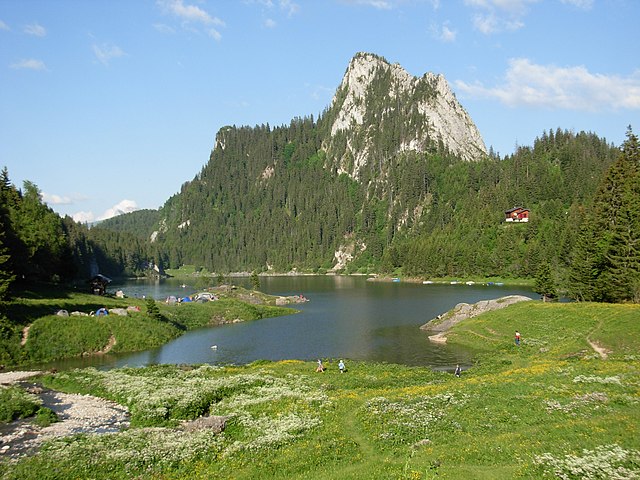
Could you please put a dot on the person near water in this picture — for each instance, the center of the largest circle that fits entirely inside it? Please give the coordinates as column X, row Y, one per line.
column 458, row 371
column 320, row 367
column 341, row 366
column 517, row 337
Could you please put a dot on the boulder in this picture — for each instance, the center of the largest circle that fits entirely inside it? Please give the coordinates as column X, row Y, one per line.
column 215, row 423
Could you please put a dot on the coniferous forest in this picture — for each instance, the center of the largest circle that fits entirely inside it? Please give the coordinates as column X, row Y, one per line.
column 373, row 185
column 239, row 215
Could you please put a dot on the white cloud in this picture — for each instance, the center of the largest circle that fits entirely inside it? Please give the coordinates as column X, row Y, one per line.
column 189, row 13
column 495, row 16
column 290, row 7
column 215, row 34
column 106, row 52
column 584, row 4
column 4, row 26
column 83, row 217
column 125, row 206
column 35, row 29
column 550, row 86
column 270, row 23
column 444, row 33
column 29, row 64
column 192, row 15
column 379, row 4
column 513, row 7
column 53, row 199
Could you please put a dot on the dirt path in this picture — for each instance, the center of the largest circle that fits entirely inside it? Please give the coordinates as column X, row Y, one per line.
column 110, row 344
column 77, row 414
column 603, row 352
column 599, row 349
column 25, row 335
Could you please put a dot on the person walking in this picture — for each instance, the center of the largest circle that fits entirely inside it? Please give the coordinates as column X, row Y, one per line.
column 517, row 337
column 458, row 371
column 320, row 366
column 341, row 366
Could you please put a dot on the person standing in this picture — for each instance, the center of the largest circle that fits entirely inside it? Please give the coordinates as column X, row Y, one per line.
column 341, row 366
column 458, row 371
column 517, row 337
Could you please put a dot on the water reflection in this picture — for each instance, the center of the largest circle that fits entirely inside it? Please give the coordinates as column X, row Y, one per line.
column 346, row 317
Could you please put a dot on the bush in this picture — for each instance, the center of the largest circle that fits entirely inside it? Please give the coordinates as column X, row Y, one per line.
column 45, row 417
column 16, row 403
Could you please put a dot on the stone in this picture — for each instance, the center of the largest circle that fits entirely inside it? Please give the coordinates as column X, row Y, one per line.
column 215, row 423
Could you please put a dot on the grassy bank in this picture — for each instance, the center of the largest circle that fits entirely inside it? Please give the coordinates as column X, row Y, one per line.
column 36, row 334
column 564, row 404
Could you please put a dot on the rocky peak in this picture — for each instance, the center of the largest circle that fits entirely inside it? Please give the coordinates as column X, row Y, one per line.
column 375, row 96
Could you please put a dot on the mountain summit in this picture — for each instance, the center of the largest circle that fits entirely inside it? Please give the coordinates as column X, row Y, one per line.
column 379, row 104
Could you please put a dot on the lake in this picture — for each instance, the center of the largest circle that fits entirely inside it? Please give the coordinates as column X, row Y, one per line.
column 345, row 317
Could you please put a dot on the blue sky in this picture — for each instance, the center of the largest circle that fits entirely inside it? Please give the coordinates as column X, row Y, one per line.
column 111, row 105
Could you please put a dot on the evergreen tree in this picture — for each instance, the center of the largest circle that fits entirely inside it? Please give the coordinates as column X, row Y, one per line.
column 152, row 309
column 606, row 258
column 544, row 284
column 255, row 280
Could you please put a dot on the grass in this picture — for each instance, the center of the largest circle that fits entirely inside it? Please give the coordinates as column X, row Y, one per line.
column 551, row 408
column 51, row 337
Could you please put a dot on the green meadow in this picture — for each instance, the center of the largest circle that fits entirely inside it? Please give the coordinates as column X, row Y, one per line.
column 38, row 335
column 564, row 404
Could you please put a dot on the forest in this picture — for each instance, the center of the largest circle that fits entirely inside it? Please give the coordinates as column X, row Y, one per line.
column 268, row 200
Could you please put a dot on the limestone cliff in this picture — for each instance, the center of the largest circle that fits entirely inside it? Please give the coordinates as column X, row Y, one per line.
column 380, row 110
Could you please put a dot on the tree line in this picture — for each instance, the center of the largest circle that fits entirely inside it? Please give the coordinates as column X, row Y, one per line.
column 271, row 198
column 39, row 246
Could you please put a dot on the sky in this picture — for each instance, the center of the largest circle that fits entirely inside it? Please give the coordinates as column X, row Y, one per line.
column 110, row 106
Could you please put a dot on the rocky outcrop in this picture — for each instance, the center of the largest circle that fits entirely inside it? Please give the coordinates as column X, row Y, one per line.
column 378, row 98
column 440, row 325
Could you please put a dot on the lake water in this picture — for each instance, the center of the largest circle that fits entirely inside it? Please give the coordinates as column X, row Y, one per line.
column 346, row 317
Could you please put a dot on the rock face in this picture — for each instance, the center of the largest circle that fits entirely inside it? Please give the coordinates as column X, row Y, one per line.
column 417, row 113
column 463, row 311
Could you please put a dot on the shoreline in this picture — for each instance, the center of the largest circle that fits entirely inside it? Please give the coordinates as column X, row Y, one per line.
column 376, row 277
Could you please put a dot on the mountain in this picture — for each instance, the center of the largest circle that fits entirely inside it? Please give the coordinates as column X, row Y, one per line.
column 381, row 110
column 317, row 194
column 392, row 176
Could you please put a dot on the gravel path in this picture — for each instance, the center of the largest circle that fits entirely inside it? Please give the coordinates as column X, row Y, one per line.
column 77, row 414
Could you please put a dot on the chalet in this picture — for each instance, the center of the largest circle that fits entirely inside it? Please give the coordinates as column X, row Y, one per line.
column 516, row 214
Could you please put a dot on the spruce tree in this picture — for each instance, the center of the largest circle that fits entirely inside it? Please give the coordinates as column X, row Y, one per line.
column 606, row 257
column 152, row 309
column 544, row 285
column 255, row 281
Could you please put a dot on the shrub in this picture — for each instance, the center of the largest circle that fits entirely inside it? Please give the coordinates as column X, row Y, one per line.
column 45, row 417
column 16, row 403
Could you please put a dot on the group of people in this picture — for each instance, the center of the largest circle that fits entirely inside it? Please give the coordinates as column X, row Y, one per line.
column 321, row 368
